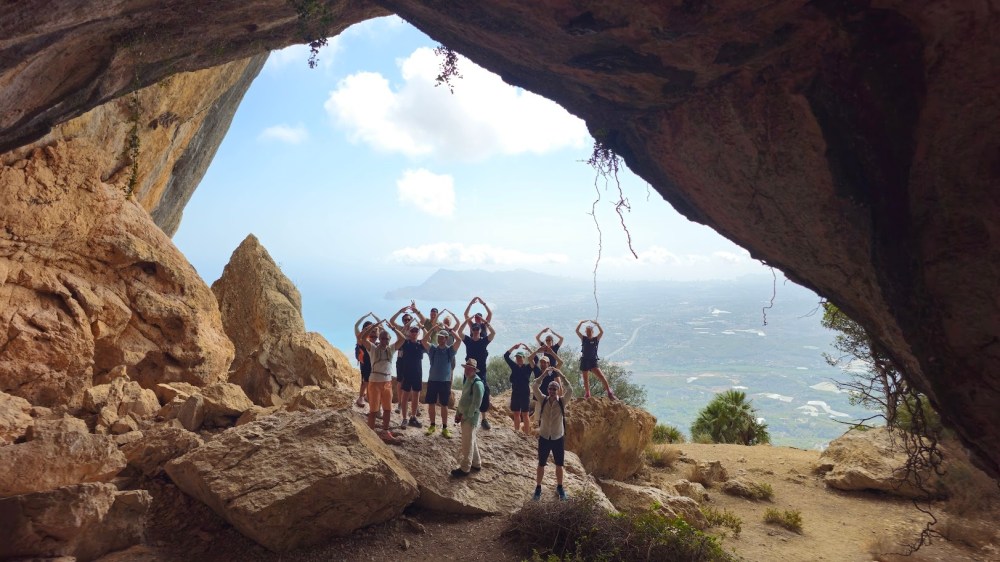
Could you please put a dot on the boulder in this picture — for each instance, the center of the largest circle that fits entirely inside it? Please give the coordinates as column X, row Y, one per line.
column 631, row 498
column 120, row 400
column 166, row 392
column 89, row 283
column 875, row 460
column 83, row 521
column 452, row 398
column 262, row 315
column 708, row 473
column 15, row 417
column 609, row 436
column 224, row 402
column 314, row 398
column 294, row 479
column 505, row 482
column 255, row 413
column 57, row 453
column 192, row 413
column 691, row 490
column 157, row 446
column 744, row 488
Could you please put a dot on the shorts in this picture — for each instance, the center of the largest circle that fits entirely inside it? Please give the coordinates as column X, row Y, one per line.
column 438, row 392
column 379, row 396
column 411, row 383
column 366, row 372
column 554, row 446
column 520, row 400
column 486, row 392
column 588, row 363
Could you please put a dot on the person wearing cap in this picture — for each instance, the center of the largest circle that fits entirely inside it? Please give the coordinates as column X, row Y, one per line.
column 467, row 414
column 410, row 369
column 588, row 358
column 442, row 357
column 520, row 387
column 540, row 368
column 481, row 334
column 551, row 427
column 380, row 380
column 363, row 357
column 550, row 346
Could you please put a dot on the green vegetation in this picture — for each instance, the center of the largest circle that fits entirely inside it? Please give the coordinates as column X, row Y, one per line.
column 729, row 418
column 663, row 433
column 449, row 67
column 761, row 491
column 580, row 530
column 314, row 18
column 791, row 520
column 724, row 518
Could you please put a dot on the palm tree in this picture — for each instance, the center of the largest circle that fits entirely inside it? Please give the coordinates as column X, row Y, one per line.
column 729, row 418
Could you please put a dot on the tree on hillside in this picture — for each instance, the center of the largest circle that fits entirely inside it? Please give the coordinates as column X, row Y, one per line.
column 620, row 379
column 729, row 418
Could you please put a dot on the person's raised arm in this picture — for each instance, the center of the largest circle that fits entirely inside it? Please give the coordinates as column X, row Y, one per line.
column 536, row 387
column 400, row 336
column 357, row 325
column 456, row 341
column 426, row 342
column 468, row 309
column 559, row 361
column 395, row 317
column 538, row 338
column 362, row 336
column 579, row 329
column 568, row 393
column 489, row 313
column 416, row 311
column 461, row 327
column 600, row 330
column 490, row 332
column 559, row 339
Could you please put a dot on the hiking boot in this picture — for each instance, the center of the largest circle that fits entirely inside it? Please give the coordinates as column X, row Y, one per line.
column 486, row 424
column 538, row 493
column 414, row 422
column 459, row 473
column 561, row 493
column 446, row 433
column 431, row 429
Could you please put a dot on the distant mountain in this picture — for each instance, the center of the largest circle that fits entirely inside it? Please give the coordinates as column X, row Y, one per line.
column 452, row 285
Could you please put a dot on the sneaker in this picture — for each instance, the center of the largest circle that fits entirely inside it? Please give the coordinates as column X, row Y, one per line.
column 485, row 424
column 459, row 473
column 431, row 429
column 359, row 402
column 538, row 493
column 477, row 468
column 389, row 438
column 446, row 433
column 414, row 422
column 397, row 409
column 561, row 493
column 402, row 425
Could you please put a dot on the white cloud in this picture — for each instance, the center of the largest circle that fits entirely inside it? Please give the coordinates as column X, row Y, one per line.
column 299, row 54
column 455, row 253
column 482, row 118
column 733, row 258
column 285, row 133
column 432, row 193
column 660, row 256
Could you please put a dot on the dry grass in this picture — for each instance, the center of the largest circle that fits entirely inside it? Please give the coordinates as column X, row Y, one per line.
column 662, row 456
column 724, row 518
column 789, row 519
column 888, row 549
column 970, row 491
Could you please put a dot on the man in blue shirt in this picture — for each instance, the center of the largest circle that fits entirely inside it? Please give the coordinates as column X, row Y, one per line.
column 442, row 358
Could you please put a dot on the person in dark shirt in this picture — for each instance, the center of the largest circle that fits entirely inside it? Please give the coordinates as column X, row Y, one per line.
column 540, row 369
column 410, row 371
column 551, row 345
column 520, row 387
column 588, row 358
column 364, row 359
column 481, row 334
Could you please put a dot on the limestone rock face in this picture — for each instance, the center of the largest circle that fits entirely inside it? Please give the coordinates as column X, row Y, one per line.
column 505, row 482
column 709, row 472
column 224, row 402
column 90, row 283
column 609, row 436
column 262, row 314
column 123, row 400
column 295, row 479
column 637, row 499
column 314, row 398
column 15, row 417
column 83, row 521
column 57, row 453
column 157, row 446
column 692, row 490
column 870, row 460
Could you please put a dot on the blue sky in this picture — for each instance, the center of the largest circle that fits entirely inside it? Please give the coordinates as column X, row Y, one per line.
column 361, row 171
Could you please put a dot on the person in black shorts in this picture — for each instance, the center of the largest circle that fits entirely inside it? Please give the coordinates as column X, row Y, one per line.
column 481, row 334
column 439, row 377
column 551, row 427
column 520, row 387
column 411, row 368
column 588, row 359
column 364, row 359
column 551, row 344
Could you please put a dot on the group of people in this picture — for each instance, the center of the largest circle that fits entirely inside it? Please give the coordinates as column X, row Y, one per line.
column 376, row 349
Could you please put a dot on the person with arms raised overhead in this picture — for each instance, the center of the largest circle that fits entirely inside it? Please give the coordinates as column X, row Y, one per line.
column 481, row 334
column 551, row 344
column 520, row 387
column 411, row 368
column 364, row 359
column 551, row 427
column 588, row 358
column 380, row 380
column 442, row 357
column 467, row 414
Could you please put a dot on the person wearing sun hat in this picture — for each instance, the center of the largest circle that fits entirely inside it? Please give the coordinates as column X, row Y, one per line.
column 467, row 414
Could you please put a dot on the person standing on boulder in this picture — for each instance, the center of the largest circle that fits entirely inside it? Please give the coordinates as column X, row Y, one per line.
column 551, row 427
column 588, row 358
column 442, row 357
column 363, row 357
column 467, row 414
column 520, row 387
column 411, row 369
column 482, row 333
column 380, row 380
column 550, row 346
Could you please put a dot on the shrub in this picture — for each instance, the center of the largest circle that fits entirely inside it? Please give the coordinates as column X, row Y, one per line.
column 791, row 520
column 750, row 490
column 729, row 418
column 663, row 433
column 762, row 491
column 580, row 530
column 724, row 518
column 661, row 456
